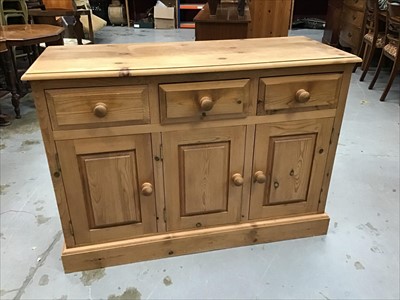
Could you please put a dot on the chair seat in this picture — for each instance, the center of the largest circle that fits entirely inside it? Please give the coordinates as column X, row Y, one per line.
column 380, row 41
column 391, row 49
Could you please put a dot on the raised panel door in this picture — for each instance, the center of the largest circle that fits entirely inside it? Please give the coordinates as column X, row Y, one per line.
column 109, row 187
column 203, row 183
column 288, row 167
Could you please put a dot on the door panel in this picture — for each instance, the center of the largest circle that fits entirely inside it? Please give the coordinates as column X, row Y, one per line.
column 292, row 155
column 104, row 178
column 290, row 177
column 203, row 170
column 113, row 199
column 198, row 169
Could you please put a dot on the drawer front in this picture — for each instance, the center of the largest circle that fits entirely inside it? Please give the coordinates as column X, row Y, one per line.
column 356, row 4
column 208, row 100
column 297, row 92
column 353, row 17
column 350, row 36
column 98, row 106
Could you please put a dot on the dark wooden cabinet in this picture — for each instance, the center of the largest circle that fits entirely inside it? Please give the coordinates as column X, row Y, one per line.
column 332, row 25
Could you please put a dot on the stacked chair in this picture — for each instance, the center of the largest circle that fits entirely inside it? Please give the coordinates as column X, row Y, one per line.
column 13, row 12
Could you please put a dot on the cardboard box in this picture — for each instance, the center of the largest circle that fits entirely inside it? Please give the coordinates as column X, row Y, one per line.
column 164, row 17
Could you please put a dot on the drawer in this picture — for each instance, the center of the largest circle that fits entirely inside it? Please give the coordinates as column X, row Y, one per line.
column 350, row 36
column 98, row 106
column 302, row 91
column 353, row 17
column 356, row 4
column 209, row 100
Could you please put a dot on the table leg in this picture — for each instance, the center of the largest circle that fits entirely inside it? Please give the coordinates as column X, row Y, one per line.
column 11, row 76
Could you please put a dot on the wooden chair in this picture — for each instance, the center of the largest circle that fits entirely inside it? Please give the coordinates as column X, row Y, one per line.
column 373, row 37
column 91, row 23
column 391, row 49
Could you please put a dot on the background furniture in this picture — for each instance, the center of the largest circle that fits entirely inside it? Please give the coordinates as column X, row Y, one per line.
column 225, row 25
column 373, row 35
column 187, row 10
column 269, row 18
column 24, row 35
column 13, row 12
column 392, row 49
column 74, row 26
column 237, row 148
column 332, row 24
column 351, row 24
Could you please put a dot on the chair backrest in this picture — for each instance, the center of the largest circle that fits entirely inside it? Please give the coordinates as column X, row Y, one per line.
column 371, row 19
column 393, row 29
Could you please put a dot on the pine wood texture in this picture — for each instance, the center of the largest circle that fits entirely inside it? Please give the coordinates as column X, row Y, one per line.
column 204, row 151
column 186, row 101
column 194, row 241
column 123, row 104
column 199, row 57
column 103, row 178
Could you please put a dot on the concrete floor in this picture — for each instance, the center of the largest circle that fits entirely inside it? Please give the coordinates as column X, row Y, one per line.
column 357, row 259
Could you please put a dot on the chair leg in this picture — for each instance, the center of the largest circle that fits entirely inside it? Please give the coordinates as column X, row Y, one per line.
column 359, row 55
column 364, row 52
column 377, row 71
column 368, row 62
column 393, row 74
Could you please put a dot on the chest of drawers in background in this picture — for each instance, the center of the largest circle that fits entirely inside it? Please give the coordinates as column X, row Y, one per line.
column 351, row 20
column 158, row 150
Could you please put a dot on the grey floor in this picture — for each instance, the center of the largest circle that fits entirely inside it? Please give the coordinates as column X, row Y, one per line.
column 357, row 259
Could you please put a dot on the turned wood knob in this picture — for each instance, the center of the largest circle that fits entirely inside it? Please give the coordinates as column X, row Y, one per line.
column 147, row 189
column 302, row 96
column 100, row 110
column 260, row 177
column 237, row 179
column 206, row 103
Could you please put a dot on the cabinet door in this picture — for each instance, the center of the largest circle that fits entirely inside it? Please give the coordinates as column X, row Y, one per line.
column 109, row 183
column 202, row 170
column 288, row 167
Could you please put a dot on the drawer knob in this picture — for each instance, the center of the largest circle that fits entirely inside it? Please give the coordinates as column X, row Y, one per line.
column 260, row 177
column 302, row 96
column 237, row 179
column 206, row 103
column 147, row 189
column 100, row 110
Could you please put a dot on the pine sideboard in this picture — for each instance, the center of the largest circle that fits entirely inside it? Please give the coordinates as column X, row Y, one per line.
column 164, row 149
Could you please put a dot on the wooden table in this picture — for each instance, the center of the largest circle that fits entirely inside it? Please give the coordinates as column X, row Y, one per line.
column 23, row 35
column 226, row 24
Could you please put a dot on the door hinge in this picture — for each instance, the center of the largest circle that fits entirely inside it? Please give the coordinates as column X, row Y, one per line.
column 58, row 163
column 165, row 215
column 71, row 228
column 330, row 140
column 161, row 152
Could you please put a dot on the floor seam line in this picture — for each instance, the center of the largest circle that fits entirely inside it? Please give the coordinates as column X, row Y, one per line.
column 33, row 270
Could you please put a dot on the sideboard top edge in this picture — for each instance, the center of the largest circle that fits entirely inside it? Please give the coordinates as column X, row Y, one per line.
column 129, row 60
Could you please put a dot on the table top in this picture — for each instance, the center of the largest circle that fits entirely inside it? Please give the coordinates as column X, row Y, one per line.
column 116, row 60
column 26, row 32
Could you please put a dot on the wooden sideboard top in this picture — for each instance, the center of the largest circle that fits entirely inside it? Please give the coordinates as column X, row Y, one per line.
column 124, row 60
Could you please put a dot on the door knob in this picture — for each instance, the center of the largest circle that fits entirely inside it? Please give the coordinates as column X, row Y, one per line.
column 237, row 179
column 100, row 110
column 302, row 96
column 147, row 189
column 206, row 103
column 260, row 177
